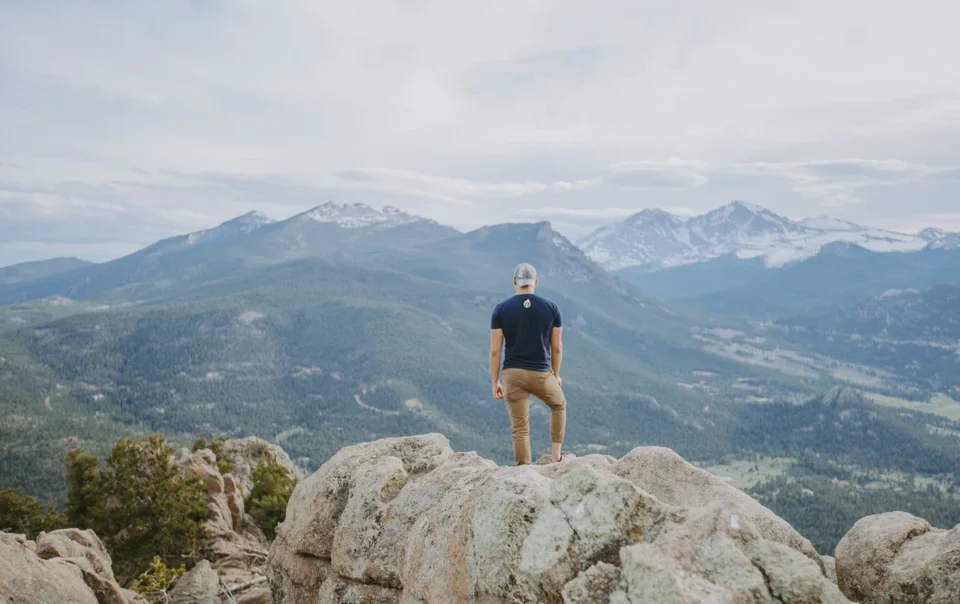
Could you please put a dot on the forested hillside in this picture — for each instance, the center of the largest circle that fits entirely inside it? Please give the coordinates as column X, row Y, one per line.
column 914, row 333
column 256, row 328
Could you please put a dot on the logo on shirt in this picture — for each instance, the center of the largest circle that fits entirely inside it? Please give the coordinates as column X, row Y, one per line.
column 526, row 304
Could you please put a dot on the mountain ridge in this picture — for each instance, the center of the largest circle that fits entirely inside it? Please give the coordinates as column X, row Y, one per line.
column 654, row 239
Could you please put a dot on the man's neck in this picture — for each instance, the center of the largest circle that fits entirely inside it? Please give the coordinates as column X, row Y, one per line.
column 525, row 290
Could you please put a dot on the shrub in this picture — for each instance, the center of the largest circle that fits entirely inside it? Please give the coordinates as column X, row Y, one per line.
column 154, row 584
column 267, row 501
column 140, row 504
column 21, row 513
column 224, row 463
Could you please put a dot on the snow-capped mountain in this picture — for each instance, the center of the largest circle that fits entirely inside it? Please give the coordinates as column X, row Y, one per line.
column 359, row 216
column 939, row 238
column 247, row 223
column 656, row 240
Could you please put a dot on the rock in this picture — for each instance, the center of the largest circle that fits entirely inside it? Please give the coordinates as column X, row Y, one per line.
column 842, row 396
column 596, row 584
column 200, row 585
column 234, row 539
column 74, row 543
column 258, row 595
column 407, row 520
column 26, row 578
column 85, row 550
column 665, row 475
column 830, row 568
column 898, row 558
column 247, row 453
column 340, row 591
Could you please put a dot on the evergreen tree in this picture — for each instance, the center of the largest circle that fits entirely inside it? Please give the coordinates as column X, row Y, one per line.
column 141, row 505
column 267, row 501
column 21, row 513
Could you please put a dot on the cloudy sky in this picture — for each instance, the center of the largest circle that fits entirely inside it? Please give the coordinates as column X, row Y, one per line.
column 124, row 121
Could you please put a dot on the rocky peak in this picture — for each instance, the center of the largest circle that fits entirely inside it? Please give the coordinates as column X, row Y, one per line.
column 655, row 239
column 939, row 238
column 652, row 216
column 359, row 215
column 410, row 520
column 842, row 397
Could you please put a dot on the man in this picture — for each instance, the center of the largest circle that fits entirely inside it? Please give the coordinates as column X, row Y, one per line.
column 531, row 328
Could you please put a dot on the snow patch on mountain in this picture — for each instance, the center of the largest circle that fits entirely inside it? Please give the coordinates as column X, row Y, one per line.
column 656, row 240
column 247, row 223
column 359, row 216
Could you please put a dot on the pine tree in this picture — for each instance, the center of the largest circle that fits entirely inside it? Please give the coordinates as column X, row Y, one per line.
column 267, row 501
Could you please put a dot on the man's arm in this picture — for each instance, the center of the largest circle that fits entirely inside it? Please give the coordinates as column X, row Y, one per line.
column 496, row 348
column 556, row 350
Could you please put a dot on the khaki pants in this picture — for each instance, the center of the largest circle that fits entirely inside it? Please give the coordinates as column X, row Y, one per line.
column 518, row 385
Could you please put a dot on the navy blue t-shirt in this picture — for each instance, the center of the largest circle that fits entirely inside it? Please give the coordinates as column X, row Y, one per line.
column 527, row 321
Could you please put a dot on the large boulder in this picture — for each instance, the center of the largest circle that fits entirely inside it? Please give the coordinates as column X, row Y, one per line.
column 897, row 558
column 72, row 568
column 408, row 521
column 665, row 475
column 201, row 585
column 85, row 550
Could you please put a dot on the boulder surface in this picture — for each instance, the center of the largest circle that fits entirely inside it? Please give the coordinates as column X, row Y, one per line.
column 68, row 567
column 409, row 521
column 897, row 558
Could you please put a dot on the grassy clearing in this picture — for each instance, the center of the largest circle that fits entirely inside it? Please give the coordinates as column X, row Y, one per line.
column 940, row 404
column 745, row 473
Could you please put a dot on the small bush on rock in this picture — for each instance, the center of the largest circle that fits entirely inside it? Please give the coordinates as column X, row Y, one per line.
column 267, row 501
column 224, row 463
column 154, row 584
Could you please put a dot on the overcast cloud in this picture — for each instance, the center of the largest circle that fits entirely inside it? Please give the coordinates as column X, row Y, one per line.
column 124, row 122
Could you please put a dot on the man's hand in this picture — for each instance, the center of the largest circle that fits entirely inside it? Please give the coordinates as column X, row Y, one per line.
column 559, row 379
column 498, row 391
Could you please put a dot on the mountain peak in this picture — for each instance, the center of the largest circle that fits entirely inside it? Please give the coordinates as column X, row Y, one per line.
column 358, row 216
column 939, row 238
column 657, row 240
column 252, row 220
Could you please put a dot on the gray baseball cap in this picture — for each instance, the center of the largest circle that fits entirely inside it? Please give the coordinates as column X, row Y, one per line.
column 525, row 275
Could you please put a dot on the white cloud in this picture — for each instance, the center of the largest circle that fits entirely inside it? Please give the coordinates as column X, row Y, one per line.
column 672, row 173
column 469, row 112
column 837, row 182
column 458, row 190
column 600, row 213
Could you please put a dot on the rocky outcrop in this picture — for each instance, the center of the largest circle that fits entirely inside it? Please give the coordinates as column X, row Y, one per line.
column 248, row 453
column 897, row 558
column 234, row 539
column 842, row 397
column 69, row 566
column 237, row 547
column 409, row 521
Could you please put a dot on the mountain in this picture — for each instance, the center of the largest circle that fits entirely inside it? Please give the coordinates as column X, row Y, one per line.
column 654, row 240
column 28, row 271
column 343, row 325
column 240, row 244
column 940, row 238
column 220, row 336
column 914, row 333
column 840, row 275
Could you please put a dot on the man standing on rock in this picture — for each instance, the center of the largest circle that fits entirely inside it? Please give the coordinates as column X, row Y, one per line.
column 531, row 328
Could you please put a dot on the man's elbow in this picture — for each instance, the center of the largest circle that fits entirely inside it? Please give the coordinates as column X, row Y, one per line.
column 557, row 349
column 494, row 354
